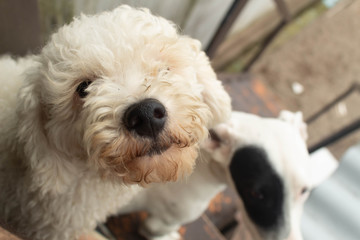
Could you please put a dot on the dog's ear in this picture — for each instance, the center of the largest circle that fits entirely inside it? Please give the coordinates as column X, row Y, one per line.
column 216, row 138
column 295, row 119
column 43, row 163
column 214, row 94
column 219, row 143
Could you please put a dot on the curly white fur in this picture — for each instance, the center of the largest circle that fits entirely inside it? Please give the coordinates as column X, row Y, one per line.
column 68, row 162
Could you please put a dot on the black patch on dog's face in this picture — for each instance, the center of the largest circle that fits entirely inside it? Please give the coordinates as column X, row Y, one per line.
column 258, row 185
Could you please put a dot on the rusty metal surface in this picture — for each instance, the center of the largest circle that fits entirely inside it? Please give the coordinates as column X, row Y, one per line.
column 250, row 95
column 201, row 229
column 221, row 209
column 125, row 227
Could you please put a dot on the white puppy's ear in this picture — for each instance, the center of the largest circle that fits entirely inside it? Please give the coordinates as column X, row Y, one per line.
column 214, row 94
column 216, row 138
column 295, row 119
column 219, row 143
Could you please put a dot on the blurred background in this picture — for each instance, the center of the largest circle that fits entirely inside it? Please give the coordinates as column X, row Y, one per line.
column 300, row 55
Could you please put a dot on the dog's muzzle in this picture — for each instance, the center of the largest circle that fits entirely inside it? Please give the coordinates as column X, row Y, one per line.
column 146, row 118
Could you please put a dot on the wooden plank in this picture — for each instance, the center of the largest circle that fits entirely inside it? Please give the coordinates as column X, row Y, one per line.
column 198, row 19
column 175, row 11
column 239, row 41
column 234, row 45
column 204, row 19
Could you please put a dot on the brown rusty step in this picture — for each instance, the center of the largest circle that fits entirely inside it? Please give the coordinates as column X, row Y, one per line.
column 250, row 95
column 201, row 229
column 125, row 227
column 221, row 210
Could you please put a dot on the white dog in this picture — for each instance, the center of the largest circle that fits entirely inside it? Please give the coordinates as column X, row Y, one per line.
column 265, row 161
column 113, row 101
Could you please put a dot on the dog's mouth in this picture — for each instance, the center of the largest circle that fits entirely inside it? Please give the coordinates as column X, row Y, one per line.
column 157, row 149
column 160, row 145
column 133, row 148
column 144, row 160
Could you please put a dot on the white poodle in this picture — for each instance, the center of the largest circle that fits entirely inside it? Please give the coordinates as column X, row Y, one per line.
column 113, row 102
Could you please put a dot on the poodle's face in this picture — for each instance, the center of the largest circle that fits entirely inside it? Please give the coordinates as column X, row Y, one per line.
column 125, row 92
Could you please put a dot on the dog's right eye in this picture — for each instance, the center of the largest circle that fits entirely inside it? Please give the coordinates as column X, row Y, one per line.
column 214, row 136
column 81, row 89
column 304, row 190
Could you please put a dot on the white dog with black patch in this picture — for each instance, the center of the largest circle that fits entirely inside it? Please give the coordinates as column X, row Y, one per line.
column 113, row 102
column 265, row 160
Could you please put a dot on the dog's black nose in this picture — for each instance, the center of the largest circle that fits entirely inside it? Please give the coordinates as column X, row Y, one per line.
column 147, row 118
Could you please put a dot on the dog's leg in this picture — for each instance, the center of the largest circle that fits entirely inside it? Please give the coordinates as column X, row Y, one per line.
column 155, row 228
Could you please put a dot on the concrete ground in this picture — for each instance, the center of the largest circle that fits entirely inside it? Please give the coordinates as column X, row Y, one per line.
column 323, row 58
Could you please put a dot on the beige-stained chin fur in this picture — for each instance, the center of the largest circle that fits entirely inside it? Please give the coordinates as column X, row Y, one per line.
column 158, row 168
column 130, row 158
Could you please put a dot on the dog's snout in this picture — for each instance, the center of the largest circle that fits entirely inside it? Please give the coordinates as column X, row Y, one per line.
column 146, row 118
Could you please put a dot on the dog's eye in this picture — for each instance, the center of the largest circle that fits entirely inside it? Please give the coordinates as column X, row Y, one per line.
column 304, row 190
column 214, row 136
column 81, row 89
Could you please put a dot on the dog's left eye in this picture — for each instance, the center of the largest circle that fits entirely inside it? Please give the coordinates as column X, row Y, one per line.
column 304, row 190
column 81, row 89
